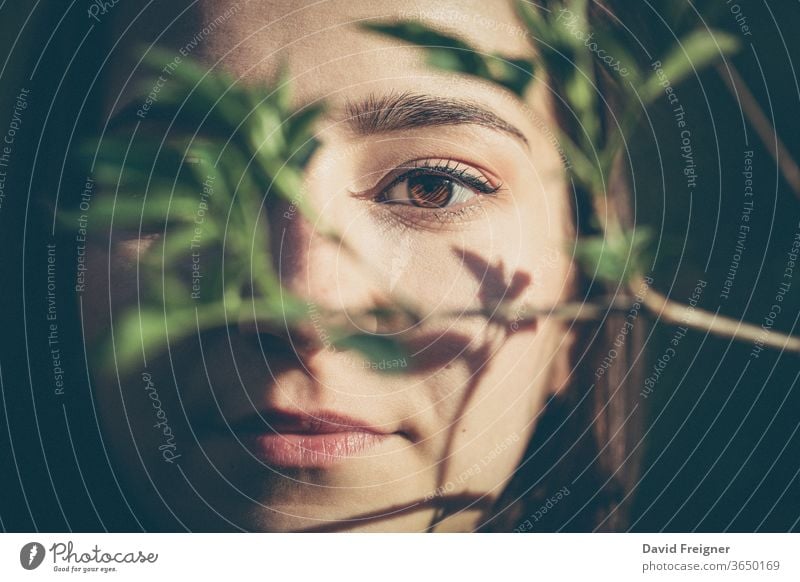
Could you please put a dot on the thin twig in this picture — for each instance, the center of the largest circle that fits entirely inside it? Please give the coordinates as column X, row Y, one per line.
column 769, row 137
column 459, row 502
column 684, row 315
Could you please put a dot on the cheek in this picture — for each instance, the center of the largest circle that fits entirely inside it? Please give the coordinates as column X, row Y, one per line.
column 452, row 276
column 482, row 428
column 470, row 268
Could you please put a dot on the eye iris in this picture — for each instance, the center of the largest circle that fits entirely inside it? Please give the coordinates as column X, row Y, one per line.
column 430, row 191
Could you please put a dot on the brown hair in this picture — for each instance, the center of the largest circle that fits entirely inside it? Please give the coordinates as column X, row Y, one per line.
column 583, row 461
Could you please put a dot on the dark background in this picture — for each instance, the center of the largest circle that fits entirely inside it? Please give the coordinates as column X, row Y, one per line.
column 722, row 449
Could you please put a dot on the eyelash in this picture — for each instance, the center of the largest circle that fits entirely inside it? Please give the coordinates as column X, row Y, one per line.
column 458, row 172
column 449, row 169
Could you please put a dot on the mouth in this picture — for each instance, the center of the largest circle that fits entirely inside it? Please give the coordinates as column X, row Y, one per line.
column 303, row 440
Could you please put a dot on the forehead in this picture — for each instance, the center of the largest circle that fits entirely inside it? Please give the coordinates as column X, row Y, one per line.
column 334, row 24
column 322, row 40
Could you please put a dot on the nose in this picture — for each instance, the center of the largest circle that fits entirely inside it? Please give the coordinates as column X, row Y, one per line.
column 308, row 263
column 319, row 276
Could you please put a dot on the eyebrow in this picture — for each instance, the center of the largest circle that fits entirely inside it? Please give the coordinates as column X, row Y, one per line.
column 398, row 111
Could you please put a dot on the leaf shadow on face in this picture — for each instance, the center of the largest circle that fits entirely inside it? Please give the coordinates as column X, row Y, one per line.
column 495, row 286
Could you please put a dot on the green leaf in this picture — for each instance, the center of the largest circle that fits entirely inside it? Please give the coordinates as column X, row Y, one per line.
column 622, row 60
column 695, row 52
column 202, row 126
column 616, row 258
column 451, row 54
column 381, row 352
column 514, row 74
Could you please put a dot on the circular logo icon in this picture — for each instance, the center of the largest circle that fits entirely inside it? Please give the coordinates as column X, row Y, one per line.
column 31, row 555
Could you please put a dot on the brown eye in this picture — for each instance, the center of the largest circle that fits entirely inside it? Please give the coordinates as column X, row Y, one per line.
column 437, row 186
column 430, row 191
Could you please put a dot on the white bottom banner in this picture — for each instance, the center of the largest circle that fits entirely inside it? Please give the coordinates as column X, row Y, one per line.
column 369, row 557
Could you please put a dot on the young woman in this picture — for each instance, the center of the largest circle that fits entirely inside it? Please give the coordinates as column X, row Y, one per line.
column 451, row 195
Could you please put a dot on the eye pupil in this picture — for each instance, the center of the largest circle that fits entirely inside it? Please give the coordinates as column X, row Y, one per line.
column 430, row 191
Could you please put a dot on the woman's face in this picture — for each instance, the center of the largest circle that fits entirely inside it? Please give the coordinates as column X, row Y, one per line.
column 450, row 210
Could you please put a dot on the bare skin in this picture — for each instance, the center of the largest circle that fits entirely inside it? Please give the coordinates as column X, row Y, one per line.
column 458, row 417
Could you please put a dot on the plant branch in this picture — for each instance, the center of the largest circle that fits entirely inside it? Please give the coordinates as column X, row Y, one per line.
column 763, row 127
column 699, row 319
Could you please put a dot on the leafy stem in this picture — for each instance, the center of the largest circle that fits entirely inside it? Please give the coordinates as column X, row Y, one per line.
column 619, row 254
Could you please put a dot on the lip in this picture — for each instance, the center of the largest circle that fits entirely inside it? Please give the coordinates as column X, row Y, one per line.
column 303, row 440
